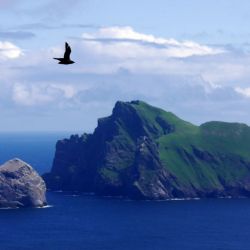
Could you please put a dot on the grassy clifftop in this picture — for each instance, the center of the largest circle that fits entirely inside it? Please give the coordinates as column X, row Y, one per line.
column 143, row 151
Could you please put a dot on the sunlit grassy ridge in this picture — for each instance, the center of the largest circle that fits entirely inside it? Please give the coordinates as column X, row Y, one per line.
column 201, row 156
column 141, row 151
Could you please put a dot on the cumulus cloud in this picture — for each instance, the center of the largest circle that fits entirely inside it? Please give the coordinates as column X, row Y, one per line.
column 197, row 82
column 109, row 49
column 25, row 95
column 9, row 51
column 243, row 91
column 189, row 97
column 125, row 42
column 32, row 95
column 68, row 90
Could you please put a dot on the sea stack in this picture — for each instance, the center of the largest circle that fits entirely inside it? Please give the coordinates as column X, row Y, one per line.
column 21, row 186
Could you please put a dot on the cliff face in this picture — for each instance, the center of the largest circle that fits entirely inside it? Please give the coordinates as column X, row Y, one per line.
column 143, row 152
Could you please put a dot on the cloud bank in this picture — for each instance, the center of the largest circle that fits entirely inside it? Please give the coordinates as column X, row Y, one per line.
column 125, row 42
column 9, row 51
column 198, row 82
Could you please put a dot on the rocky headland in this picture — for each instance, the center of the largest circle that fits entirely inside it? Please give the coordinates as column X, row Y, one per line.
column 143, row 152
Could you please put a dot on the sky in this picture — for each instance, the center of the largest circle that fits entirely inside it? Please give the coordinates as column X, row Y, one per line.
column 188, row 57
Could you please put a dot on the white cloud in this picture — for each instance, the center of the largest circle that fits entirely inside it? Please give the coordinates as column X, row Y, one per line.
column 197, row 82
column 124, row 42
column 31, row 95
column 243, row 91
column 9, row 51
column 68, row 90
column 108, row 49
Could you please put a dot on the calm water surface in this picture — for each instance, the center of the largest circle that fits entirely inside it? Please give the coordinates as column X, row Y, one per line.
column 88, row 222
column 35, row 148
column 85, row 222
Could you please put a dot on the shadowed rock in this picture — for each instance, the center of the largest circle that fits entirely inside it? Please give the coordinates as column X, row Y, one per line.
column 143, row 152
column 20, row 185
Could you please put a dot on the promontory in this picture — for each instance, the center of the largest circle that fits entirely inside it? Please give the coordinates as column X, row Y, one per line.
column 143, row 152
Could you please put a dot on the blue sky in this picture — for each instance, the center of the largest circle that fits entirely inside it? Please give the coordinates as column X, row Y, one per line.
column 189, row 57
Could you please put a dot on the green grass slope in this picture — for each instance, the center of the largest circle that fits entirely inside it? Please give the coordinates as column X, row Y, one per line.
column 207, row 157
column 144, row 147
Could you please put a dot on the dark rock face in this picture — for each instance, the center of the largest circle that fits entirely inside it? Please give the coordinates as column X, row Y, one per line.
column 143, row 152
column 149, row 178
column 21, row 186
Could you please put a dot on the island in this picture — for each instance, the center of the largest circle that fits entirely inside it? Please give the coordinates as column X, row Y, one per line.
column 21, row 186
column 144, row 152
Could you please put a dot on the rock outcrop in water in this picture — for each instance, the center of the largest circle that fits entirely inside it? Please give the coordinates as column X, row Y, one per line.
column 21, row 186
column 143, row 152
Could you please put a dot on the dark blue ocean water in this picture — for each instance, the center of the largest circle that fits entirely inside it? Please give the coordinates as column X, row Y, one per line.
column 94, row 223
column 35, row 148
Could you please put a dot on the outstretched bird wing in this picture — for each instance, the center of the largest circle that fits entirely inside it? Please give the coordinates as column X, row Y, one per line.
column 67, row 52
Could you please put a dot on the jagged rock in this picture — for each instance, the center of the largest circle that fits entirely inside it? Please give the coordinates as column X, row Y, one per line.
column 20, row 185
column 143, row 152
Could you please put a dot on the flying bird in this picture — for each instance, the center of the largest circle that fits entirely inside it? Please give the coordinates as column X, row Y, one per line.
column 66, row 59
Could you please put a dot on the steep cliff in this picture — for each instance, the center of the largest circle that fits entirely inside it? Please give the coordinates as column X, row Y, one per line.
column 143, row 152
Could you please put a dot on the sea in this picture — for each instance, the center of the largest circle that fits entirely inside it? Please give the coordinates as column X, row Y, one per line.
column 89, row 222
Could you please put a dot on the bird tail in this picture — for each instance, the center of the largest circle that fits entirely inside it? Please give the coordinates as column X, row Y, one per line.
column 59, row 59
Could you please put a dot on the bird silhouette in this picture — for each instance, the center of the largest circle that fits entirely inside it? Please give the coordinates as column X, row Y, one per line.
column 66, row 59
